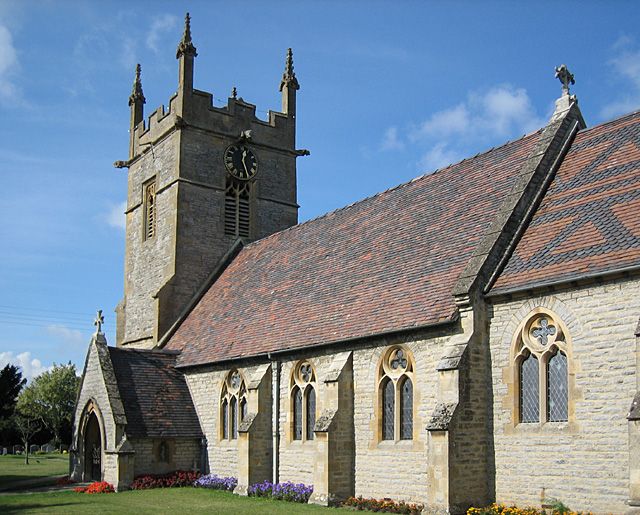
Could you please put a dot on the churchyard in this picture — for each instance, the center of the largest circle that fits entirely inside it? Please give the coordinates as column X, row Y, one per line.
column 162, row 500
column 14, row 471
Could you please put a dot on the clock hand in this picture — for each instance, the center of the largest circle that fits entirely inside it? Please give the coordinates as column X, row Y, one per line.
column 244, row 156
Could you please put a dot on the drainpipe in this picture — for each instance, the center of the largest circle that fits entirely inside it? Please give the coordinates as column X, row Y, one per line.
column 275, row 410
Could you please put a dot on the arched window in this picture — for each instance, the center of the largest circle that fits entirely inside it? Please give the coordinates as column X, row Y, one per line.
column 303, row 401
column 237, row 214
column 529, row 390
column 150, row 209
column 406, row 410
column 311, row 411
column 542, row 367
column 395, row 387
column 557, row 391
column 297, row 413
column 388, row 410
column 233, row 400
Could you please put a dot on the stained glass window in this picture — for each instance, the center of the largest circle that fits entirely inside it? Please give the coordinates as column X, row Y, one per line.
column 388, row 410
column 406, row 410
column 225, row 420
column 311, row 412
column 234, row 418
column 557, row 390
column 529, row 390
column 297, row 414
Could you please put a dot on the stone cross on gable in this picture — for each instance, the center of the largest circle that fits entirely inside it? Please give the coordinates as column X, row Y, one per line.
column 566, row 77
column 98, row 322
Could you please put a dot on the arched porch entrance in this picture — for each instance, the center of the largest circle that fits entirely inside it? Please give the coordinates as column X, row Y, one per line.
column 92, row 449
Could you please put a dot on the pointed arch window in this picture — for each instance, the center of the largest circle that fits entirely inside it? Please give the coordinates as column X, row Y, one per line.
column 237, row 208
column 395, row 391
column 303, row 402
column 233, row 405
column 149, row 209
column 542, row 367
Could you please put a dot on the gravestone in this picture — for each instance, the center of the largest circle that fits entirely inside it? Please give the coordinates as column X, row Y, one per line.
column 34, row 448
column 4, row 451
column 49, row 448
column 17, row 449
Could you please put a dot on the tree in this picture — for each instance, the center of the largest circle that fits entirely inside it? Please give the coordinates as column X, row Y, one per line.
column 54, row 397
column 27, row 418
column 11, row 383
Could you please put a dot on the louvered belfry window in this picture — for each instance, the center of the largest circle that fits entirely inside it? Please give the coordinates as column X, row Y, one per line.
column 237, row 211
column 150, row 210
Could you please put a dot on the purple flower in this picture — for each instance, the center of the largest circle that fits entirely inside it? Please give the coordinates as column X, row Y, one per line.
column 293, row 492
column 216, row 483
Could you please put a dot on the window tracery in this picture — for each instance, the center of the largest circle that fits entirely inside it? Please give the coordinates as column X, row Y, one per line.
column 233, row 405
column 542, row 369
column 303, row 401
column 395, row 390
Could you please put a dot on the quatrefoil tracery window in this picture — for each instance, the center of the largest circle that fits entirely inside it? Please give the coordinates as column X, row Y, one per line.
column 542, row 369
column 303, row 401
column 233, row 405
column 395, row 390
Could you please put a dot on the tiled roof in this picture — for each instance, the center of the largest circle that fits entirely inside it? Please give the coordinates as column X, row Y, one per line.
column 387, row 263
column 155, row 395
column 589, row 220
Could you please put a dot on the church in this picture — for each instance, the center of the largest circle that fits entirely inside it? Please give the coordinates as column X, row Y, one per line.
column 470, row 336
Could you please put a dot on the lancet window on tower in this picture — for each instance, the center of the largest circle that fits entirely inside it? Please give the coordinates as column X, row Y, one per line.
column 150, row 209
column 237, row 210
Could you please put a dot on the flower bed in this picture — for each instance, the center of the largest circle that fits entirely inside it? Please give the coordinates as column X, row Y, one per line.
column 293, row 492
column 64, row 481
column 175, row 479
column 99, row 487
column 216, row 483
column 383, row 505
column 555, row 508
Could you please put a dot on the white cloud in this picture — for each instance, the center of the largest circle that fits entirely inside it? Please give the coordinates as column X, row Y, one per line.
column 159, row 25
column 484, row 119
column 8, row 64
column 443, row 123
column 390, row 140
column 626, row 63
column 438, row 156
column 31, row 367
column 68, row 336
column 116, row 217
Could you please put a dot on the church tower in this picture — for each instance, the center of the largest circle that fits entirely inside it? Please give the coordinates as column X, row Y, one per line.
column 199, row 178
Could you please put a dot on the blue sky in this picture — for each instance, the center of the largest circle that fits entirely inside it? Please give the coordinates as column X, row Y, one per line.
column 389, row 90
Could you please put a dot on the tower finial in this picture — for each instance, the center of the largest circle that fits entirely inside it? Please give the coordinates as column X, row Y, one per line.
column 185, row 47
column 289, row 76
column 98, row 323
column 234, row 93
column 565, row 77
column 136, row 92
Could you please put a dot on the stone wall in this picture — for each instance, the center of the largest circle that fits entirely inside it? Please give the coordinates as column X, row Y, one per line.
column 584, row 462
column 184, row 454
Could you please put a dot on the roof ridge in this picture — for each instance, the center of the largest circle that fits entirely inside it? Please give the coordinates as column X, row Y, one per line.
column 608, row 122
column 393, row 188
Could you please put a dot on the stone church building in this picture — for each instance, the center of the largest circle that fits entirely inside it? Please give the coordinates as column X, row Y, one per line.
column 469, row 336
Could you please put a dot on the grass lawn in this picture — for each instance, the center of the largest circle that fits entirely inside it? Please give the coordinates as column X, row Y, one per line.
column 13, row 469
column 155, row 501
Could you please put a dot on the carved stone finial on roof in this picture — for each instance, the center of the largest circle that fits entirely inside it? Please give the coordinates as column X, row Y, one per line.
column 185, row 47
column 98, row 322
column 136, row 92
column 289, row 76
column 565, row 77
column 234, row 93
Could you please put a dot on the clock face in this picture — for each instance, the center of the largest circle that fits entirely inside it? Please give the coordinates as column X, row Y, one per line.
column 240, row 162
